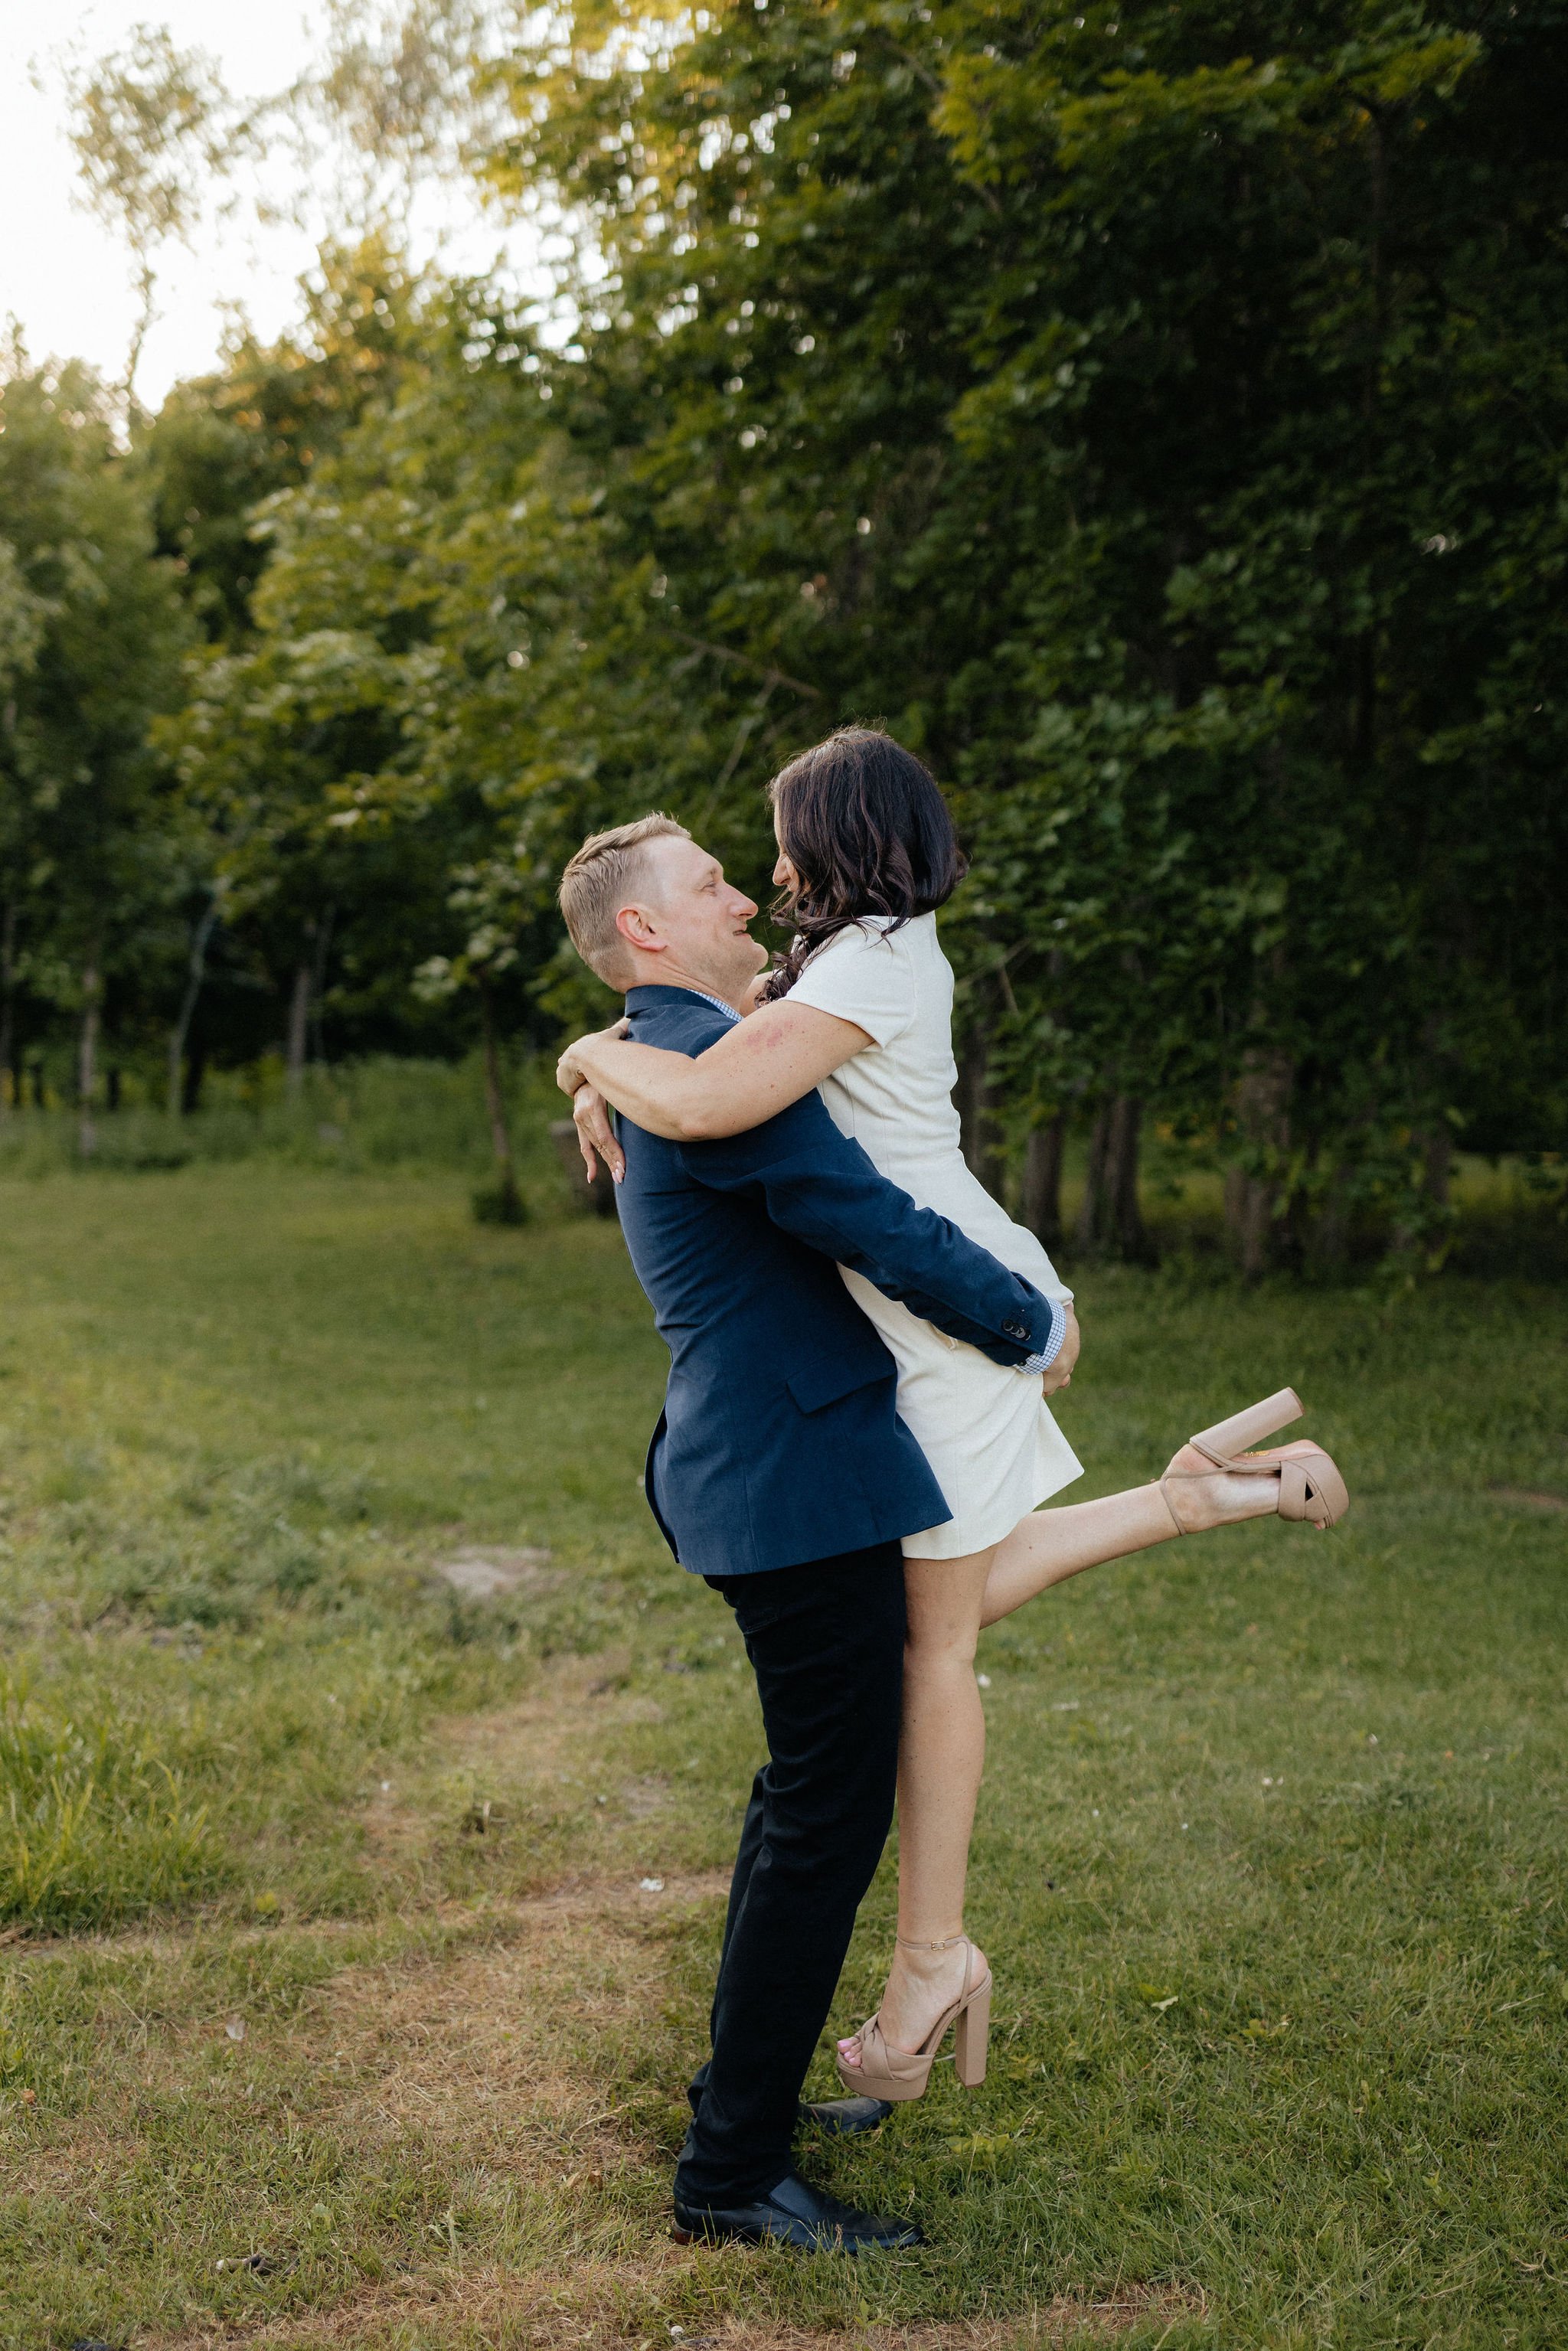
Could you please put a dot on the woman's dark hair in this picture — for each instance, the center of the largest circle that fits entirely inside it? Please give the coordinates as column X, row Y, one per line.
column 865, row 826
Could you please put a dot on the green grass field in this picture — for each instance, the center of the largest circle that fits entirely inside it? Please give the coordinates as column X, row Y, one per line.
column 333, row 2007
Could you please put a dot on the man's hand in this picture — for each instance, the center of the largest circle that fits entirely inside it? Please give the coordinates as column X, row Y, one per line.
column 591, row 1114
column 570, row 1074
column 1059, row 1375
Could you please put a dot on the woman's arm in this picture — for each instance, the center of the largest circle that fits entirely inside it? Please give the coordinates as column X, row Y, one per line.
column 763, row 1064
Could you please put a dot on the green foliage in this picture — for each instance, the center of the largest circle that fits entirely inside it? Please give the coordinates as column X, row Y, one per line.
column 1151, row 416
column 1086, row 393
column 94, row 856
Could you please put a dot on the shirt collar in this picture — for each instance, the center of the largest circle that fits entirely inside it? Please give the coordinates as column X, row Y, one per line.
column 729, row 1010
column 637, row 997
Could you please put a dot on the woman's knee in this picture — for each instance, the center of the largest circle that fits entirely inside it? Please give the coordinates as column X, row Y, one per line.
column 939, row 1642
column 944, row 1600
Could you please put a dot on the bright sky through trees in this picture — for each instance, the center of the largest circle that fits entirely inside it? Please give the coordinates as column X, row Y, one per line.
column 69, row 282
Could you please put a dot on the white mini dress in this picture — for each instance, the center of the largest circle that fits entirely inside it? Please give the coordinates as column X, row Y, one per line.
column 985, row 1429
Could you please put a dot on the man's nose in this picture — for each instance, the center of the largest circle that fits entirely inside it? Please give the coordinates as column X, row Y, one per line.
column 744, row 906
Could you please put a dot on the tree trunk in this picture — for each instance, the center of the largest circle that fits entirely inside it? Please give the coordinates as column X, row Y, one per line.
column 298, row 1032
column 319, row 984
column 1042, row 1202
column 1329, row 1244
column 1126, row 1214
column 1261, row 1104
column 1423, row 1227
column 1110, row 1219
column 976, row 1098
column 145, row 284
column 87, row 1057
column 507, row 1200
column 196, row 973
column 1440, row 1163
column 1090, row 1235
column 196, row 1074
column 10, row 1058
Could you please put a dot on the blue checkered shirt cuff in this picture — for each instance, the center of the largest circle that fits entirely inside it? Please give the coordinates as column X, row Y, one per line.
column 1053, row 1347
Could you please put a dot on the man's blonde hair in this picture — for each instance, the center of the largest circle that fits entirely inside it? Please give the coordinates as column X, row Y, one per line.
column 607, row 872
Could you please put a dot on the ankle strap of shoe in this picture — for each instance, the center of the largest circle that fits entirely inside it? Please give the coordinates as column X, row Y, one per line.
column 948, row 1943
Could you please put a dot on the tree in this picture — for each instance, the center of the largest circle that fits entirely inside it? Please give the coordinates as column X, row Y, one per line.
column 23, row 616
column 1152, row 417
column 1101, row 397
column 90, row 839
column 153, row 126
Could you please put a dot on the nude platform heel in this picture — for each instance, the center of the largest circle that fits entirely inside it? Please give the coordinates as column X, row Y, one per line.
column 1310, row 1487
column 896, row 2075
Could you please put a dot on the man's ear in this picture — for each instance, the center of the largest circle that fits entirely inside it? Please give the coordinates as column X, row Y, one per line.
column 637, row 930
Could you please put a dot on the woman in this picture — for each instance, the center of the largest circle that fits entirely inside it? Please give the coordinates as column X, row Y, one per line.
column 862, row 1008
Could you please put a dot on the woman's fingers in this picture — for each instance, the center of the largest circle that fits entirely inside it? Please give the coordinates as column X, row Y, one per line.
column 595, row 1134
column 567, row 1076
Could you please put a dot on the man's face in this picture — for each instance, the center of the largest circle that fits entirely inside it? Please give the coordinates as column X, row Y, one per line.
column 700, row 918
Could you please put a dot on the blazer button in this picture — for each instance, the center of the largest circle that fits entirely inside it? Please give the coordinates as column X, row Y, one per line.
column 1015, row 1330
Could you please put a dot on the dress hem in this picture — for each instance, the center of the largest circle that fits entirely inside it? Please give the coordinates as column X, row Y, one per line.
column 960, row 1538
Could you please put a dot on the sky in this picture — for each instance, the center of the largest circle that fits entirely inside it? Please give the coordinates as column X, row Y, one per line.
column 70, row 284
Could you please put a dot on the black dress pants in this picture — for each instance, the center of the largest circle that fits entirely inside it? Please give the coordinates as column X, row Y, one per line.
column 826, row 1642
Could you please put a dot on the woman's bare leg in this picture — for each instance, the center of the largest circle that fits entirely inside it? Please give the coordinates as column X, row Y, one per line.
column 1049, row 1546
column 942, row 1748
column 941, row 1756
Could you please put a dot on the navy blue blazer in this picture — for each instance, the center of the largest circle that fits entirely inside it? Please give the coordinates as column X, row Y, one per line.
column 780, row 1441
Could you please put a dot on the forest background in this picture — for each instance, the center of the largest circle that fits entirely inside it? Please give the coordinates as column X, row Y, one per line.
column 1155, row 416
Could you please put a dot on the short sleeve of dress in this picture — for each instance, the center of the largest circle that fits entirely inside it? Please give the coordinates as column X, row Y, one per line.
column 862, row 975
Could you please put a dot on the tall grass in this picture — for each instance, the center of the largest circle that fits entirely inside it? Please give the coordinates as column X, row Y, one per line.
column 96, row 1825
column 377, row 1113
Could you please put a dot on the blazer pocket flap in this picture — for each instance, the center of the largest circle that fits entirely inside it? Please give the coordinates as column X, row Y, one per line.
column 823, row 1383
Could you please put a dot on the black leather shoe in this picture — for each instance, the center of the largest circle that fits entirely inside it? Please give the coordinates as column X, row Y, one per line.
column 845, row 2117
column 795, row 2213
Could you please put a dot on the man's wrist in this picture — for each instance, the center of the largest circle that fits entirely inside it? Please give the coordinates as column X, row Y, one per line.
column 1042, row 1360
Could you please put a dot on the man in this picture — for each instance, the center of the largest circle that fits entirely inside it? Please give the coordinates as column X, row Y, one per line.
column 780, row 1472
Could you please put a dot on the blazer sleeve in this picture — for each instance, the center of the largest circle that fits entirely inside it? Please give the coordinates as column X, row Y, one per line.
column 818, row 1185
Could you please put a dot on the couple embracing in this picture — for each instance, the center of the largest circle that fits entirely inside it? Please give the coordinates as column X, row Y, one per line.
column 855, row 1441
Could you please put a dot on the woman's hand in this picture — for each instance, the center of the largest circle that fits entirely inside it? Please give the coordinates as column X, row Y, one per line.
column 569, row 1075
column 1059, row 1375
column 590, row 1115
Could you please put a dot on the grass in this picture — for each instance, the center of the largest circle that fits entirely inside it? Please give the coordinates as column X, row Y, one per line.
column 333, row 2010
column 355, row 1117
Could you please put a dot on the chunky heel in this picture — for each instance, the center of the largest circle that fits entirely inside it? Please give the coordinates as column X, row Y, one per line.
column 971, row 2037
column 1308, row 1483
column 1250, row 1427
column 898, row 2074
